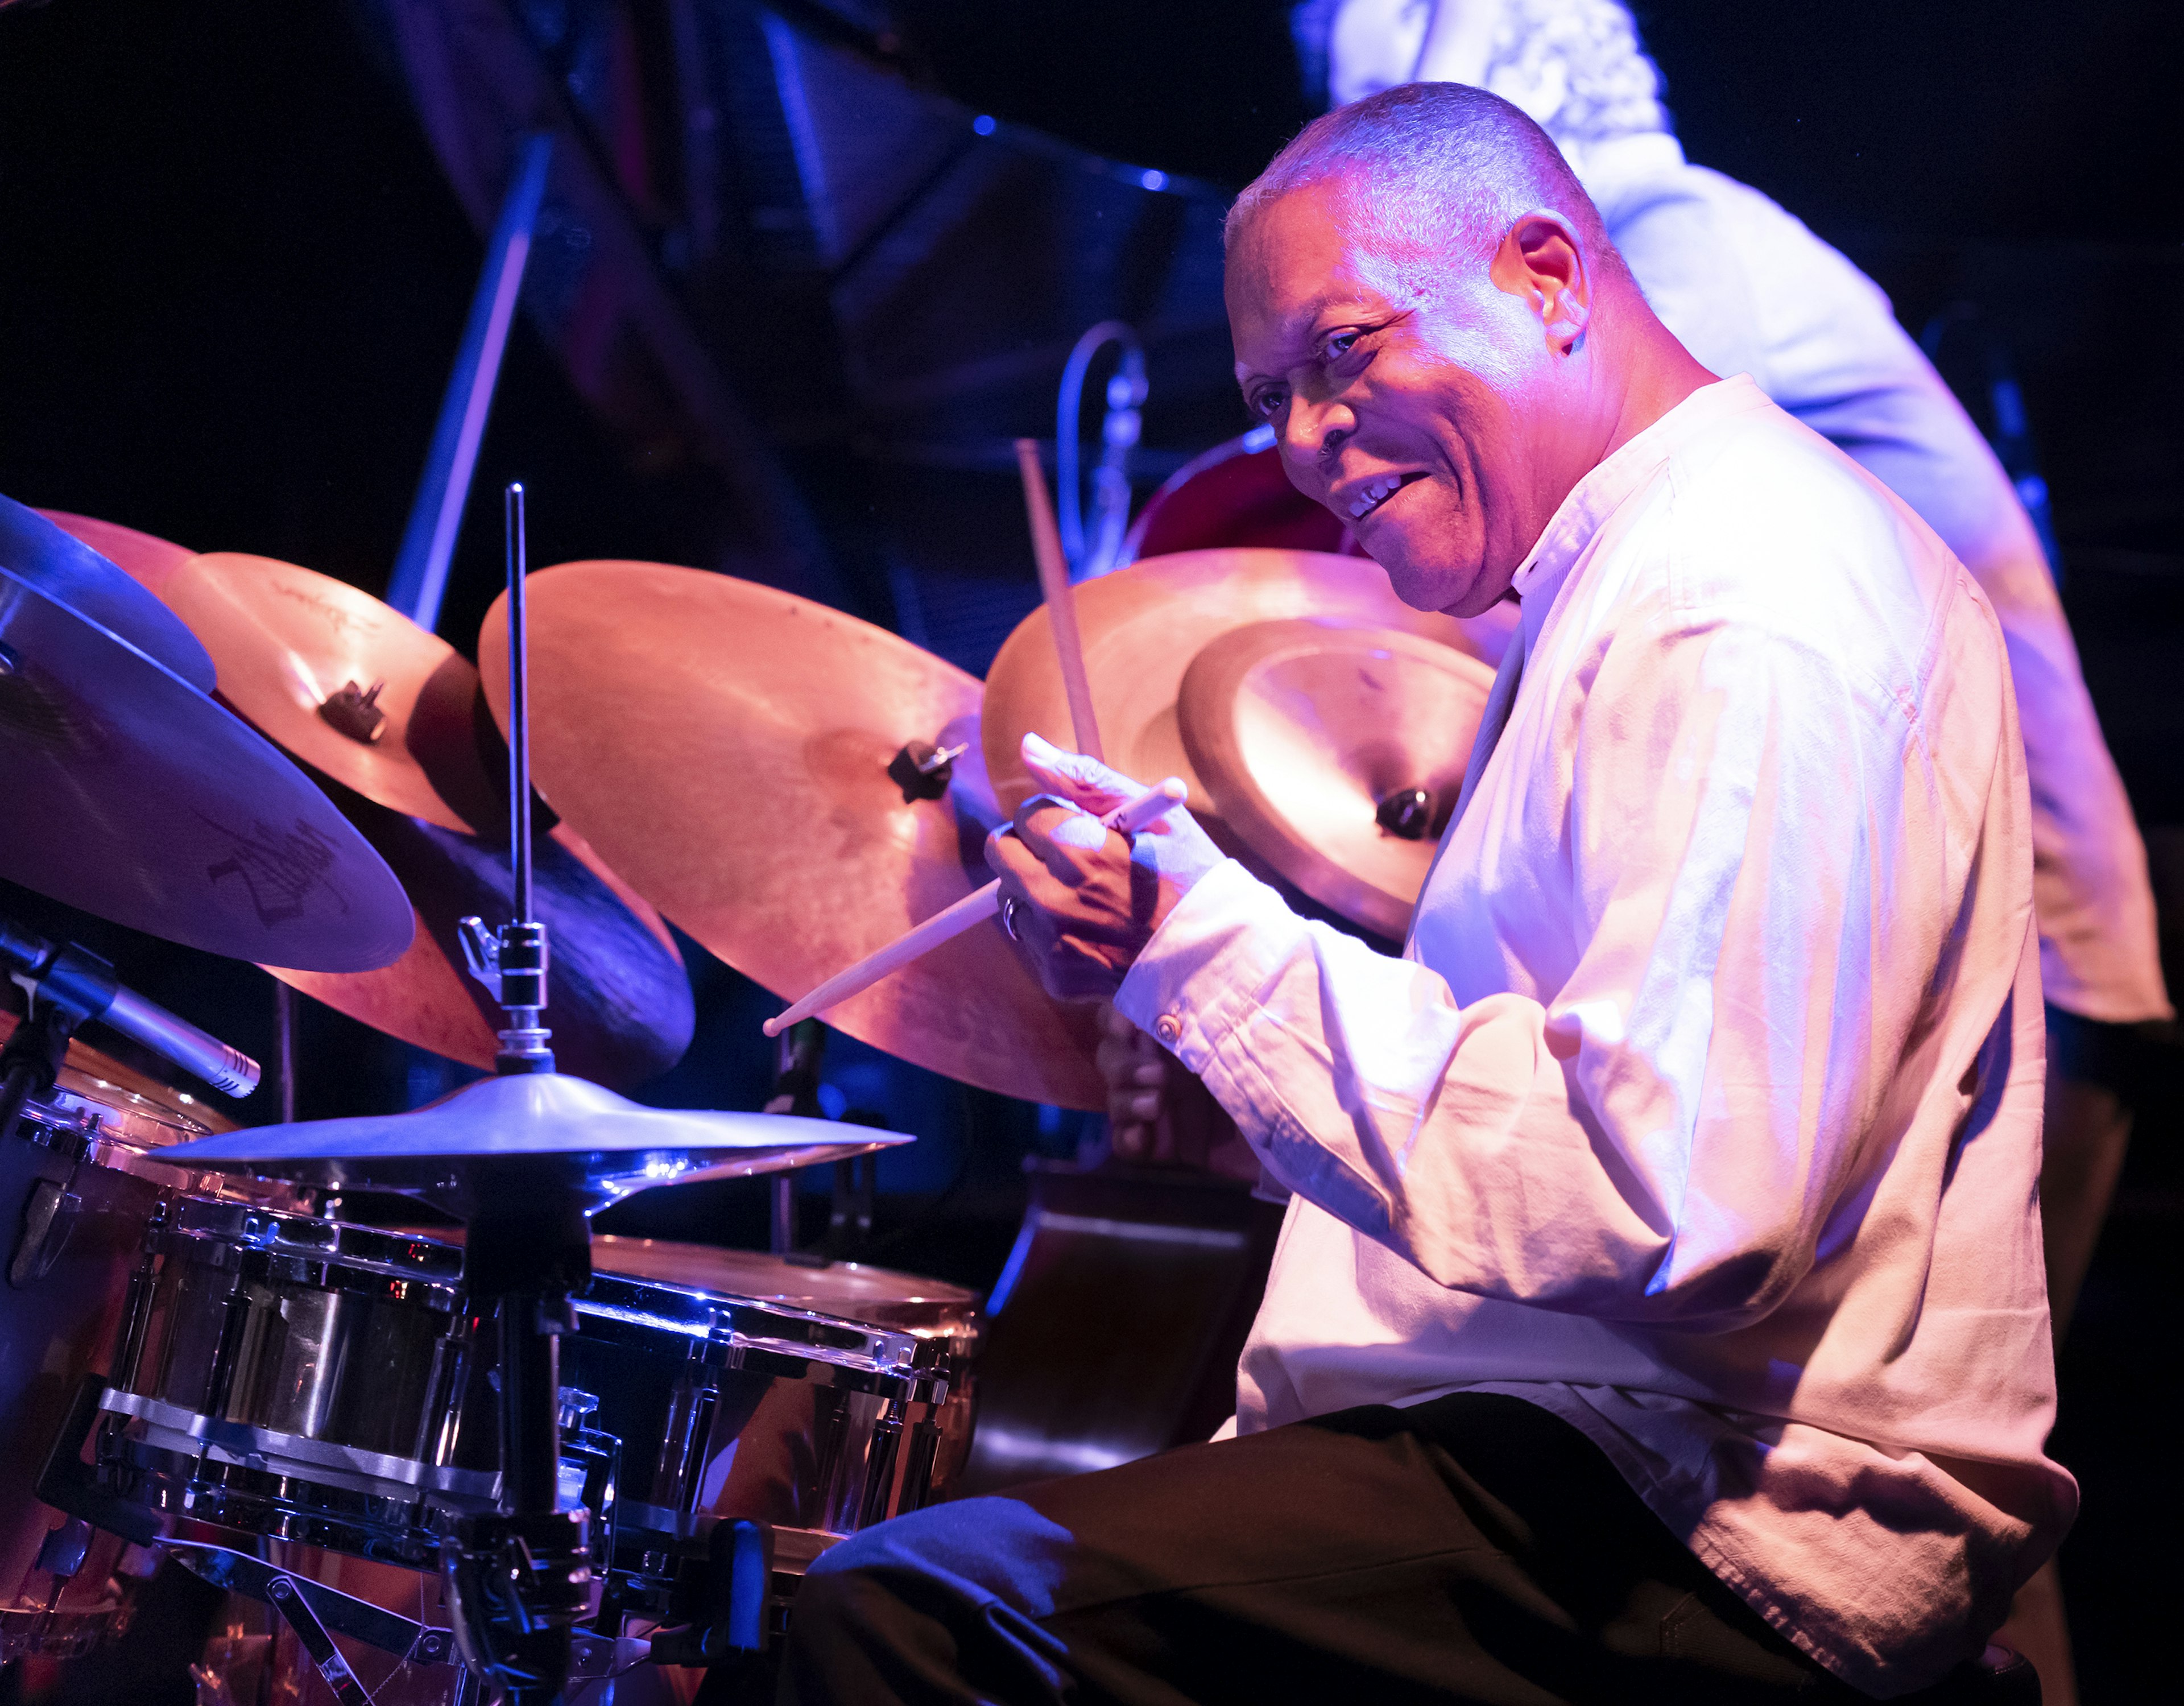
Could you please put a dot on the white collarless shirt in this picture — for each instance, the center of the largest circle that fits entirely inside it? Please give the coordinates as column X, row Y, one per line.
column 1702, row 1108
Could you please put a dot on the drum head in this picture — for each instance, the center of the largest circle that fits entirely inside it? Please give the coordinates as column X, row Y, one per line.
column 137, row 1111
column 848, row 1290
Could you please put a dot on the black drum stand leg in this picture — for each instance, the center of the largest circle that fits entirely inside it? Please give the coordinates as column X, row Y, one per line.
column 521, row 1577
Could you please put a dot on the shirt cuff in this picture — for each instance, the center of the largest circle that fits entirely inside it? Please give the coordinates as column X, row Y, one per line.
column 1200, row 976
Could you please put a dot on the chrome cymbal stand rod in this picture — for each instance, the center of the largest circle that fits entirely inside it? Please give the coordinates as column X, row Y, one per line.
column 512, row 961
column 519, row 702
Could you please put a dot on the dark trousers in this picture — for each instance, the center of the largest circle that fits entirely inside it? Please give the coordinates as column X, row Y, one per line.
column 1473, row 1548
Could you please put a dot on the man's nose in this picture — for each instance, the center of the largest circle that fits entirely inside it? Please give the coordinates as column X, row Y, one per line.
column 1314, row 431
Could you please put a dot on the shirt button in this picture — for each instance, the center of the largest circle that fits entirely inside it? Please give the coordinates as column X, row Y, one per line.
column 1167, row 1028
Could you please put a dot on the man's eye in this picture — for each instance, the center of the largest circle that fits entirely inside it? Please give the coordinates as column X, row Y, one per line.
column 1269, row 403
column 1341, row 343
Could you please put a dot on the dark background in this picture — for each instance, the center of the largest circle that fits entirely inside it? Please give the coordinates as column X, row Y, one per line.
column 232, row 276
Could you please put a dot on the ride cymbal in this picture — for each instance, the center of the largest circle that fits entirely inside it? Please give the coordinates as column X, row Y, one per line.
column 135, row 797
column 391, row 718
column 728, row 747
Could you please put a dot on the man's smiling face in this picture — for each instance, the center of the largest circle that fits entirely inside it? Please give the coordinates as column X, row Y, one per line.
column 1407, row 399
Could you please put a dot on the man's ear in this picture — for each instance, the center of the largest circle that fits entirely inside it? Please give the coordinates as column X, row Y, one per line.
column 1540, row 263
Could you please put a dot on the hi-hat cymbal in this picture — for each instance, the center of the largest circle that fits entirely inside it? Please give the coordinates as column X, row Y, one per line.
column 66, row 570
column 726, row 746
column 144, row 558
column 392, row 717
column 1337, row 753
column 135, row 797
column 535, row 1130
column 1142, row 625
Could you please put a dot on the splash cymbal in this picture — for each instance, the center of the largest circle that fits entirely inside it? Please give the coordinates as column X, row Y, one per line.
column 1337, row 753
column 139, row 798
column 727, row 746
column 348, row 684
column 391, row 719
column 1142, row 625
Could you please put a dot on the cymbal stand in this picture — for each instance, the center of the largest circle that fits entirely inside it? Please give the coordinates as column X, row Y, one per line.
column 521, row 1578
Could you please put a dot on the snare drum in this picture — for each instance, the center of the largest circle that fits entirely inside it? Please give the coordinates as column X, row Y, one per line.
column 309, row 1380
column 79, row 1182
column 296, row 1378
column 321, row 1385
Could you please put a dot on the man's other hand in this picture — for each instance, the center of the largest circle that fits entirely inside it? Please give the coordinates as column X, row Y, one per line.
column 1159, row 1115
column 1081, row 900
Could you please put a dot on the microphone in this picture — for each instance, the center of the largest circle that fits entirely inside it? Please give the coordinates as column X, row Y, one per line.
column 84, row 986
column 1093, row 550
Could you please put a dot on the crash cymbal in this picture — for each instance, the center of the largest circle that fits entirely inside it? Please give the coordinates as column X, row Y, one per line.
column 65, row 569
column 348, row 684
column 1336, row 753
column 537, row 1130
column 391, row 718
column 726, row 747
column 135, row 797
column 1142, row 625
column 144, row 558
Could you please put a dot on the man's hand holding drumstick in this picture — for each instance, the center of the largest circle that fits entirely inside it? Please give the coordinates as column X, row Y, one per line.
column 1082, row 899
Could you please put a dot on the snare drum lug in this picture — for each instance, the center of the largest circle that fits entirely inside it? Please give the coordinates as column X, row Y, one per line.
column 880, row 1465
column 441, row 1421
column 689, row 1430
column 135, row 1315
column 49, row 1213
column 919, row 1458
column 234, row 1333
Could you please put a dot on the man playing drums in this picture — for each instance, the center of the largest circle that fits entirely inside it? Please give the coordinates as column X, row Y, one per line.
column 1660, row 1313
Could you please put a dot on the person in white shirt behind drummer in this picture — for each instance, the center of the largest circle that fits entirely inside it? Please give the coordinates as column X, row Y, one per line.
column 1659, row 1312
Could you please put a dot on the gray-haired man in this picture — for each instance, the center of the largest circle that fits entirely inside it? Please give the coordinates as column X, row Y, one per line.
column 1659, row 1315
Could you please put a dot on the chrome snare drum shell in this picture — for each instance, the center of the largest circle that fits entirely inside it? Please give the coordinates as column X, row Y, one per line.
column 295, row 1377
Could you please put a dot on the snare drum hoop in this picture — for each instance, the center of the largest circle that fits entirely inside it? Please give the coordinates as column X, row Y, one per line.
column 765, row 1338
column 194, row 1225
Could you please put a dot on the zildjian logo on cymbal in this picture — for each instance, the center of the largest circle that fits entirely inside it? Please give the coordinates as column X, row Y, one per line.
column 277, row 869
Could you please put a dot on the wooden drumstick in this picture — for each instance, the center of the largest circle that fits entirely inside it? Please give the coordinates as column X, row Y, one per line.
column 1148, row 808
column 1061, row 600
